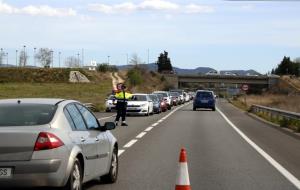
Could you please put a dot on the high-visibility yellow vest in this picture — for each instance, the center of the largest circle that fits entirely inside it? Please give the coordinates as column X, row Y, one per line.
column 123, row 96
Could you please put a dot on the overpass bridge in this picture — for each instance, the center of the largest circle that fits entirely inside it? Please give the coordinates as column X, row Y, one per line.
column 256, row 83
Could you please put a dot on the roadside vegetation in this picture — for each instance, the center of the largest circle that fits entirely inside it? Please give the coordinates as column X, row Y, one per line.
column 53, row 83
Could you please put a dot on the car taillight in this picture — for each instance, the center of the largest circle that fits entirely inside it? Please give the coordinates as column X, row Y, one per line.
column 46, row 141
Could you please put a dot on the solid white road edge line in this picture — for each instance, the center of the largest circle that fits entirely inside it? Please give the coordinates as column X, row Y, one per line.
column 139, row 136
column 120, row 152
column 130, row 143
column 273, row 162
column 155, row 124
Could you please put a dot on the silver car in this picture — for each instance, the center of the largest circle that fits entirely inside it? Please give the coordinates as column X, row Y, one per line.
column 54, row 142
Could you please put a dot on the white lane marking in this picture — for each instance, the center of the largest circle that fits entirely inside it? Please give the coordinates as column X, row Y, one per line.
column 273, row 162
column 139, row 136
column 160, row 121
column 155, row 124
column 130, row 143
column 104, row 118
column 149, row 129
column 120, row 152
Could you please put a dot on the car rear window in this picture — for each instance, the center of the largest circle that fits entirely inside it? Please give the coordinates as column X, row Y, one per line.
column 139, row 98
column 163, row 94
column 26, row 114
column 204, row 95
column 153, row 98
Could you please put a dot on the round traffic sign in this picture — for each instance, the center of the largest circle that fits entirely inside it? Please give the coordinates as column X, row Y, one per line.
column 245, row 87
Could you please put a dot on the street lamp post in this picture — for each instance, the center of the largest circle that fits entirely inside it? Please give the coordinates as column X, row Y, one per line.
column 24, row 55
column 16, row 58
column 1, row 55
column 34, row 56
column 7, row 59
column 59, row 54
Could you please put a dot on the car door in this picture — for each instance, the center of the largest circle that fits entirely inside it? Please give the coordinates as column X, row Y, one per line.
column 101, row 156
column 81, row 136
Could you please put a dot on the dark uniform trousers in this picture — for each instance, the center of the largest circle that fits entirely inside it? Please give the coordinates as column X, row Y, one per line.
column 121, row 110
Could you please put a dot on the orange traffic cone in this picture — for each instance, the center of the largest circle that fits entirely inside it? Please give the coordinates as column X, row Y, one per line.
column 182, row 180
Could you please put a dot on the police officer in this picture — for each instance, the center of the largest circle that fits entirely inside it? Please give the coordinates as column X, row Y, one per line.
column 122, row 98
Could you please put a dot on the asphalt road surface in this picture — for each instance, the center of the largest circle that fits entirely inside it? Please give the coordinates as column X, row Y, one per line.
column 223, row 151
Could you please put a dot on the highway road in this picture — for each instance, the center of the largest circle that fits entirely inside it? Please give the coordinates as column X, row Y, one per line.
column 222, row 149
column 218, row 157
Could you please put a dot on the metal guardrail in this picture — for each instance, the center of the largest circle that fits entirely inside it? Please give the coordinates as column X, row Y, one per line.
column 91, row 106
column 273, row 112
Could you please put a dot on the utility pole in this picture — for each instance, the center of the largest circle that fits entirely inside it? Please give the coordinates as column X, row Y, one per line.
column 78, row 59
column 24, row 55
column 148, row 56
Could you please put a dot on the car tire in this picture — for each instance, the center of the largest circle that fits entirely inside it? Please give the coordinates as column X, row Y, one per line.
column 112, row 176
column 108, row 110
column 194, row 108
column 75, row 178
column 213, row 109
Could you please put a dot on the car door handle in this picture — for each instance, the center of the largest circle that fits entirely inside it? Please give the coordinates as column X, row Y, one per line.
column 97, row 140
column 82, row 139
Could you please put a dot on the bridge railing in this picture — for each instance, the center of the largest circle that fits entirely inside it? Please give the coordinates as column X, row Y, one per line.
column 275, row 113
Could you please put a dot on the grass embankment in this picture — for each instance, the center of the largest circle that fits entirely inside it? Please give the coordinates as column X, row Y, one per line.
column 53, row 83
column 140, row 80
column 284, row 102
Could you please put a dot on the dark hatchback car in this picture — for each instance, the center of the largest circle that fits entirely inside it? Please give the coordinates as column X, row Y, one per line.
column 156, row 103
column 204, row 99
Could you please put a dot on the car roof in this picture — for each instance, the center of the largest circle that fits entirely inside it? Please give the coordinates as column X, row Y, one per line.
column 51, row 101
column 140, row 94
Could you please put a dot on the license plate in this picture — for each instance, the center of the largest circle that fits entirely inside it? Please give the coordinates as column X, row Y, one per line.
column 5, row 172
column 204, row 101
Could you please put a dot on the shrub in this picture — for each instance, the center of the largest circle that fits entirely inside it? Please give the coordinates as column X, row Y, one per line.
column 135, row 77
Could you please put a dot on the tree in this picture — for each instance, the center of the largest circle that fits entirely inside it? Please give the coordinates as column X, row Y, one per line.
column 135, row 60
column 287, row 67
column 72, row 62
column 164, row 63
column 44, row 57
column 23, row 59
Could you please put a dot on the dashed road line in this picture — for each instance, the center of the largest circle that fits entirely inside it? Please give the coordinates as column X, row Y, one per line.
column 104, row 118
column 139, row 136
column 130, row 143
column 271, row 160
column 120, row 152
column 142, row 134
column 149, row 129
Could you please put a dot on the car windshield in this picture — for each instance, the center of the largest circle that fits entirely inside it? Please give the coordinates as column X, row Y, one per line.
column 174, row 94
column 163, row 94
column 204, row 95
column 26, row 114
column 139, row 98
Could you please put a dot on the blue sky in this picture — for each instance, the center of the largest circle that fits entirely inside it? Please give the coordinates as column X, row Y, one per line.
column 208, row 33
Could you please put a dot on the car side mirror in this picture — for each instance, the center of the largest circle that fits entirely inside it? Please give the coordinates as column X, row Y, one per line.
column 109, row 126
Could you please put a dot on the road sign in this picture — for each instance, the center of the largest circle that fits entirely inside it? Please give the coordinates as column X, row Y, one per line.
column 245, row 87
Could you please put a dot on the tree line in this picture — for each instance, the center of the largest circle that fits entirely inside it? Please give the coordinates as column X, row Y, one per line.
column 287, row 67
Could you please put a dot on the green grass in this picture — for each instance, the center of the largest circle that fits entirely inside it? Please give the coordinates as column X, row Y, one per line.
column 86, row 93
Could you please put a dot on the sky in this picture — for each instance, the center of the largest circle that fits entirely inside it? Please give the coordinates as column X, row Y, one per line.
column 224, row 35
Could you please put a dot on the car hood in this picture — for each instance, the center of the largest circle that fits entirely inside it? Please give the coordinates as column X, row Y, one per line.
column 136, row 103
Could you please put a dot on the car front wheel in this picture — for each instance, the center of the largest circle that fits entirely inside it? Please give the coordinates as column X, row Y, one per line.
column 112, row 176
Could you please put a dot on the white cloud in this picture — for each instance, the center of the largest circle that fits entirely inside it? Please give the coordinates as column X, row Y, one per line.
column 150, row 5
column 43, row 10
column 194, row 9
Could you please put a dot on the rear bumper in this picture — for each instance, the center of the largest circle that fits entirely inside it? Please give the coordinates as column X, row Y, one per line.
column 204, row 105
column 35, row 173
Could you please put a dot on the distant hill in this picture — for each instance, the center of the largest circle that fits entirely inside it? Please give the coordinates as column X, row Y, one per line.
column 196, row 71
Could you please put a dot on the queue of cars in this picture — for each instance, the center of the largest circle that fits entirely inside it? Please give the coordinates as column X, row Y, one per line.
column 154, row 103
